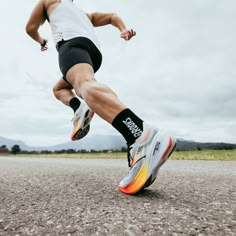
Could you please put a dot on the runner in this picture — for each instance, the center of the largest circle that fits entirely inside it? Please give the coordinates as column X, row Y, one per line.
column 79, row 59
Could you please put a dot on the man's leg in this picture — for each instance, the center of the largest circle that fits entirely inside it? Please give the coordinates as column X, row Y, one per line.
column 83, row 114
column 100, row 98
column 149, row 147
column 63, row 92
column 104, row 102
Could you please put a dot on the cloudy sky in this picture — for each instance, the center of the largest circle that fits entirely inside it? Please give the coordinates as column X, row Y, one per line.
column 178, row 72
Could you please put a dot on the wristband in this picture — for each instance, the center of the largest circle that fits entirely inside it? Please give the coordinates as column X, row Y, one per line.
column 44, row 43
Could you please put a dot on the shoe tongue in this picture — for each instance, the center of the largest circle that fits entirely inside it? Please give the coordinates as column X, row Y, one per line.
column 144, row 132
column 144, row 136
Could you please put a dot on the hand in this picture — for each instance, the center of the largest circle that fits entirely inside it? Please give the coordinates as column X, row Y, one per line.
column 127, row 34
column 44, row 45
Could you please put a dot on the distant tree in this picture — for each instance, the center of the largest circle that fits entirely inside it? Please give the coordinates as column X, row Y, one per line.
column 59, row 151
column 93, row 151
column 45, row 152
column 70, row 151
column 82, row 151
column 15, row 149
column 3, row 147
column 199, row 148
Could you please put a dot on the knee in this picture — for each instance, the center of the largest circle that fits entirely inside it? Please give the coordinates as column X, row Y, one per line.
column 86, row 86
column 94, row 91
column 83, row 82
column 56, row 91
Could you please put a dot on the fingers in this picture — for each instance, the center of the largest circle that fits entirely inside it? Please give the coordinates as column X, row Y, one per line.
column 44, row 48
column 44, row 45
column 133, row 32
column 128, row 34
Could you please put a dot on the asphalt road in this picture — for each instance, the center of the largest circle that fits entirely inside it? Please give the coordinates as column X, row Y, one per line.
column 80, row 197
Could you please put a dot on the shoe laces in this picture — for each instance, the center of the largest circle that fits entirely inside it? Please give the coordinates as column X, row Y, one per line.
column 128, row 155
column 136, row 149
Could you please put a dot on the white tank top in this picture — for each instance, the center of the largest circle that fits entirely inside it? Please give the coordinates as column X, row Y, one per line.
column 67, row 21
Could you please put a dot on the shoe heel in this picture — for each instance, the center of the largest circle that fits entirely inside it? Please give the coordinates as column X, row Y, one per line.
column 169, row 150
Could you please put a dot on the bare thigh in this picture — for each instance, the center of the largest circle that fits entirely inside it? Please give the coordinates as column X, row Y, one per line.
column 99, row 97
column 79, row 74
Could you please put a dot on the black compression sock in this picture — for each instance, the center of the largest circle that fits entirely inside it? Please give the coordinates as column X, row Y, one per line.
column 129, row 125
column 75, row 103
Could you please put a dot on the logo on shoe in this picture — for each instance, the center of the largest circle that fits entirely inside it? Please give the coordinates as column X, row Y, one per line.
column 156, row 147
column 135, row 130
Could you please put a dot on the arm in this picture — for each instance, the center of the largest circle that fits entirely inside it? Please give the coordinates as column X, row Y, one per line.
column 101, row 19
column 37, row 19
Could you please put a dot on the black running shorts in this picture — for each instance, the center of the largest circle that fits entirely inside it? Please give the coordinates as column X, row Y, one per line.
column 75, row 51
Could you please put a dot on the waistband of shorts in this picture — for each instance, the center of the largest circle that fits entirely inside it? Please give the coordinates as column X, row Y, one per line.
column 58, row 44
column 80, row 38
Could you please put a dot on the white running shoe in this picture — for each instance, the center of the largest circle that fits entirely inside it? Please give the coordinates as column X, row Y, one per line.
column 146, row 156
column 81, row 121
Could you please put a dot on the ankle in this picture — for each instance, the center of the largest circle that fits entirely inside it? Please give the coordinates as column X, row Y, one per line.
column 75, row 103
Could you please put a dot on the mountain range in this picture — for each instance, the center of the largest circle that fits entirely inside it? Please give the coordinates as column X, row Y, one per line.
column 110, row 142
column 95, row 142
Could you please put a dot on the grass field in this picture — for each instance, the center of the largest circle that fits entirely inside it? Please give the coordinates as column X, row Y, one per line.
column 210, row 155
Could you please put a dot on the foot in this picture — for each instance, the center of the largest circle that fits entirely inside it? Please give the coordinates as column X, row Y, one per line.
column 81, row 121
column 146, row 156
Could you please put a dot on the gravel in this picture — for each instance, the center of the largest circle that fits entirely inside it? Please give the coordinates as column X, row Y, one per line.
column 45, row 196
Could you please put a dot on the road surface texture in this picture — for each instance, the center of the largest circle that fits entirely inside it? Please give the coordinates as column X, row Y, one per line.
column 40, row 196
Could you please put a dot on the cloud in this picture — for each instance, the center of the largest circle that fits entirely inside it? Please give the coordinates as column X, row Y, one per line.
column 177, row 73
